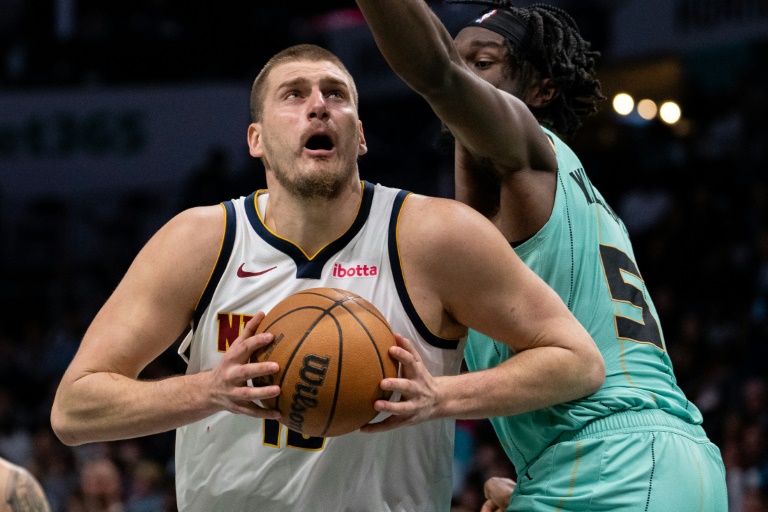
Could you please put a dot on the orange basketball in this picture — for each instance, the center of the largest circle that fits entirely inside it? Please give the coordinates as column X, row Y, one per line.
column 331, row 346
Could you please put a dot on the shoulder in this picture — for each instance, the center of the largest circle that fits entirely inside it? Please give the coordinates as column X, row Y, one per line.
column 182, row 253
column 197, row 230
column 203, row 221
column 424, row 213
column 433, row 208
column 444, row 226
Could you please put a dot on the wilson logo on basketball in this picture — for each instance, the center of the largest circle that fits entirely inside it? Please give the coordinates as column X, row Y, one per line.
column 354, row 270
column 312, row 373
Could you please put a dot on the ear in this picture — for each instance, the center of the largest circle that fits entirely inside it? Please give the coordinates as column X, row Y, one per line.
column 254, row 140
column 541, row 94
column 362, row 147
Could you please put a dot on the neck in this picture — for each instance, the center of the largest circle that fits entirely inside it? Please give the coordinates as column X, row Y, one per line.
column 312, row 224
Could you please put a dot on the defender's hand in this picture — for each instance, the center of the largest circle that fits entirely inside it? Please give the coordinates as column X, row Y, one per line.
column 498, row 492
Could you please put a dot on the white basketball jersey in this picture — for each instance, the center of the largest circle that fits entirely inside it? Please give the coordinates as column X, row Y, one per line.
column 229, row 462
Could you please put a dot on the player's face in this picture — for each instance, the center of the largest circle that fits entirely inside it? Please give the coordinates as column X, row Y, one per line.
column 485, row 53
column 310, row 135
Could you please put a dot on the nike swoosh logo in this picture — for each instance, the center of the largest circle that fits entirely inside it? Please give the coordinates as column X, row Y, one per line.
column 245, row 273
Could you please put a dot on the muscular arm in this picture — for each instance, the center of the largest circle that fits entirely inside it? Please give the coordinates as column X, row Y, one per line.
column 486, row 121
column 454, row 256
column 477, row 183
column 100, row 397
column 19, row 491
column 504, row 165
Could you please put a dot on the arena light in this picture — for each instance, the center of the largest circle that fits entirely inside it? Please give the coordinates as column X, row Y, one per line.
column 670, row 112
column 647, row 109
column 623, row 104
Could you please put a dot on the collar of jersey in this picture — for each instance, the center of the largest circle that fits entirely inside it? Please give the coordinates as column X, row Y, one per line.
column 309, row 266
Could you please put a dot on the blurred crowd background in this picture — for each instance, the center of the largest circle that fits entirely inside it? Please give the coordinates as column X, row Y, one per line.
column 114, row 116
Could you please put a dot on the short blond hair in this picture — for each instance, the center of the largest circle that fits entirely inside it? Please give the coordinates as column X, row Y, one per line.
column 307, row 52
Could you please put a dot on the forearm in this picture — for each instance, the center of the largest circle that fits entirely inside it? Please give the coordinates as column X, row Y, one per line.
column 107, row 406
column 531, row 380
column 412, row 40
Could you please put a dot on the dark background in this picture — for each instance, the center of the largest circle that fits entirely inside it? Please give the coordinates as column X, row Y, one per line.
column 77, row 201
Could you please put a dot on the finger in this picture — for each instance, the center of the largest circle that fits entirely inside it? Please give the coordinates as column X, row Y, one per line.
column 499, row 484
column 489, row 506
column 255, row 342
column 241, row 349
column 249, row 329
column 249, row 393
column 406, row 387
column 405, row 343
column 258, row 373
column 490, row 486
column 252, row 325
column 499, row 489
column 390, row 423
column 396, row 408
column 249, row 408
column 237, row 368
column 402, row 355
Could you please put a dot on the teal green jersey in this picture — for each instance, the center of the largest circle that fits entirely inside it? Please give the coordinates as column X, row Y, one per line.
column 583, row 252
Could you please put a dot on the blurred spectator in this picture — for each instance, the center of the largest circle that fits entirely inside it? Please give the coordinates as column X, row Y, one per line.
column 643, row 208
column 755, row 398
column 15, row 439
column 100, row 488
column 61, row 344
column 53, row 464
column 146, row 488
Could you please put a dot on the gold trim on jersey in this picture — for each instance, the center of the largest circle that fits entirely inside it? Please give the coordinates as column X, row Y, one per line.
column 309, row 258
column 218, row 256
column 402, row 273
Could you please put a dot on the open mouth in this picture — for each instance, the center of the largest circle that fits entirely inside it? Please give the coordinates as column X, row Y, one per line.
column 319, row 142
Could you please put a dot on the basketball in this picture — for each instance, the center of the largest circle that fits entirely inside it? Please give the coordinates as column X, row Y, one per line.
column 332, row 348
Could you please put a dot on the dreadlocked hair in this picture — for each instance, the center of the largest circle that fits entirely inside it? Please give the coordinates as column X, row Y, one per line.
column 566, row 58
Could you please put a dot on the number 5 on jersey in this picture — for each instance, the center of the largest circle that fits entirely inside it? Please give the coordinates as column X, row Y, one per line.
column 615, row 264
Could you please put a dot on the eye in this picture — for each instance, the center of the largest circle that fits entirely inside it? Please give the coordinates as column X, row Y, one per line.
column 335, row 94
column 483, row 64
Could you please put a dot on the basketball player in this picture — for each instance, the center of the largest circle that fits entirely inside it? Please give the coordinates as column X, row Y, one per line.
column 20, row 491
column 435, row 267
column 513, row 81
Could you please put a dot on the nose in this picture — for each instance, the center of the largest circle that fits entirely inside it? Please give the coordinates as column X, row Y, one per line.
column 318, row 109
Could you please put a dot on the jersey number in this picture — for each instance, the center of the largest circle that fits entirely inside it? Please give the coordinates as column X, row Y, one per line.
column 295, row 440
column 615, row 263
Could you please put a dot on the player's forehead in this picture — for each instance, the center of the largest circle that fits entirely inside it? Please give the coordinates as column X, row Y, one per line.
column 310, row 72
column 473, row 39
